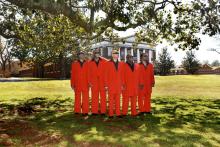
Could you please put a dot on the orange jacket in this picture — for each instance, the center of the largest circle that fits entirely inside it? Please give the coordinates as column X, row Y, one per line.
column 146, row 76
column 113, row 77
column 96, row 73
column 104, row 58
column 79, row 76
column 130, row 79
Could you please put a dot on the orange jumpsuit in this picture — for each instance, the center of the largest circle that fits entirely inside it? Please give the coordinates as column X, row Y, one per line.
column 96, row 79
column 123, row 90
column 146, row 78
column 79, row 81
column 113, row 80
column 130, row 76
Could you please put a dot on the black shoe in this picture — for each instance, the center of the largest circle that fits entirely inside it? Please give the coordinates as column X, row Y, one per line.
column 110, row 117
column 94, row 114
column 148, row 113
column 120, row 116
column 84, row 114
column 141, row 114
column 102, row 114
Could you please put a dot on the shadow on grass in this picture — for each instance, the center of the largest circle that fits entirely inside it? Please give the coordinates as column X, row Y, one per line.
column 173, row 122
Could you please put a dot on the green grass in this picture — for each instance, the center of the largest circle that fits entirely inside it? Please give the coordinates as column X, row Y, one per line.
column 187, row 86
column 186, row 112
column 12, row 91
column 182, row 86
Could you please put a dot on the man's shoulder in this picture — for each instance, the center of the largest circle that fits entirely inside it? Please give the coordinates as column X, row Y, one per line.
column 136, row 64
column 74, row 62
column 151, row 64
column 103, row 59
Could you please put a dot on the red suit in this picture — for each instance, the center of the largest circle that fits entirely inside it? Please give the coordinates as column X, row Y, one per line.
column 79, row 81
column 96, row 79
column 113, row 80
column 130, row 76
column 146, row 78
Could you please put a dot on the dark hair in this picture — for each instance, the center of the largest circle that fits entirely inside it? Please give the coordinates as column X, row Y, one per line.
column 80, row 52
column 142, row 54
column 128, row 55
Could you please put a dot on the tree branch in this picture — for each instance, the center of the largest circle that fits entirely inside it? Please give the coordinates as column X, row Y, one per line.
column 55, row 8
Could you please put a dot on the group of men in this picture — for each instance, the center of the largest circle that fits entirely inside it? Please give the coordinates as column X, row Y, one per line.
column 108, row 80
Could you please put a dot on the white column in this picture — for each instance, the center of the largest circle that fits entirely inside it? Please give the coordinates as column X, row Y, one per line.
column 119, row 54
column 109, row 51
column 101, row 50
column 150, row 55
column 138, row 55
column 132, row 52
column 126, row 53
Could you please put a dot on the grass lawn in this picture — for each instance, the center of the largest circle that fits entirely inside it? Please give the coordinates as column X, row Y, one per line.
column 186, row 112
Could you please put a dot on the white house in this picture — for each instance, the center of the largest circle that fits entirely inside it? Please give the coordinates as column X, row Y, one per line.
column 128, row 45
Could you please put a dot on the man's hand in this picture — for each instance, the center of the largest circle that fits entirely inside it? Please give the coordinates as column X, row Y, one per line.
column 106, row 88
column 123, row 87
column 90, row 85
column 141, row 86
column 153, row 84
column 73, row 87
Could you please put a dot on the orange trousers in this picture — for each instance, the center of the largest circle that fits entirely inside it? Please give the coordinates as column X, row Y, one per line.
column 81, row 104
column 114, row 104
column 133, row 100
column 144, row 102
column 95, row 101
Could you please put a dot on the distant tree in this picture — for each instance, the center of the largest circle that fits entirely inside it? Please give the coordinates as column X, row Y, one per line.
column 190, row 63
column 215, row 63
column 164, row 63
column 206, row 62
column 19, row 52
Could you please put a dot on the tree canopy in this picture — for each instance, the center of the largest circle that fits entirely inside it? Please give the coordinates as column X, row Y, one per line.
column 154, row 20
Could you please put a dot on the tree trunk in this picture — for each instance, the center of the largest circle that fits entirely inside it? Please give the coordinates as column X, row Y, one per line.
column 42, row 71
column 3, row 66
column 9, row 65
column 21, row 63
column 62, row 67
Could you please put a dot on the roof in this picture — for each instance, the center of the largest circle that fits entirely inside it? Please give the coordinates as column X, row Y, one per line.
column 128, row 42
column 216, row 68
column 206, row 66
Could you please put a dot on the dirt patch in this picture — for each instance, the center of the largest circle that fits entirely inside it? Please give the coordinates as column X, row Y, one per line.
column 25, row 133
column 20, row 132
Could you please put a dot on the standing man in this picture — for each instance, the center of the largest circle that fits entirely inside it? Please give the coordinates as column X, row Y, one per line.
column 130, row 76
column 79, row 83
column 146, row 82
column 96, row 82
column 113, row 82
column 89, row 56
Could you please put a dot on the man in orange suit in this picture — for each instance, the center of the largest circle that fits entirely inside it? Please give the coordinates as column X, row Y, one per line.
column 146, row 82
column 113, row 81
column 79, row 83
column 130, row 76
column 96, row 81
